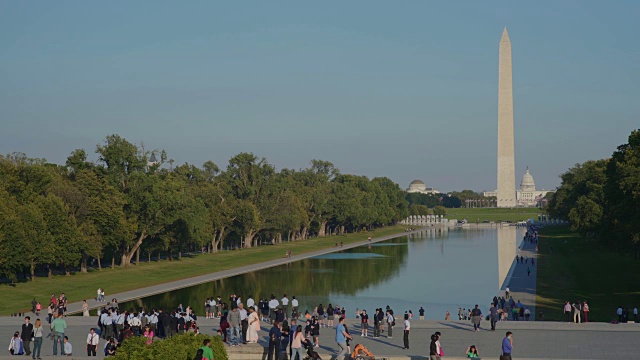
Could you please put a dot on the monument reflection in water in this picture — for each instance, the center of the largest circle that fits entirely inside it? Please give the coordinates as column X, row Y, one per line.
column 439, row 269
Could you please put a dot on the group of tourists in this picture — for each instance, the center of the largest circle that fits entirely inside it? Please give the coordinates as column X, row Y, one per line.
column 578, row 309
column 624, row 314
column 20, row 343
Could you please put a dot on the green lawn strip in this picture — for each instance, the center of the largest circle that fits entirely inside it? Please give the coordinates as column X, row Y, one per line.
column 492, row 214
column 80, row 286
column 584, row 269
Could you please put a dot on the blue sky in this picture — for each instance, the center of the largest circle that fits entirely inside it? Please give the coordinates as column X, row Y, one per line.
column 404, row 89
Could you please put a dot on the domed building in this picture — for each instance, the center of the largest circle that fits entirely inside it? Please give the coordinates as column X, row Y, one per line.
column 418, row 186
column 527, row 195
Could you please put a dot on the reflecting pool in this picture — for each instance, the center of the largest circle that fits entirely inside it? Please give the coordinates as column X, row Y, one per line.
column 438, row 269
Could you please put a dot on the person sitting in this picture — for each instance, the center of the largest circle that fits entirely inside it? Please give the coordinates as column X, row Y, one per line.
column 110, row 348
column 15, row 345
column 68, row 349
column 472, row 352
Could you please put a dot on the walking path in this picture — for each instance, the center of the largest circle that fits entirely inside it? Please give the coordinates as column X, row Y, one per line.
column 76, row 307
column 521, row 284
column 532, row 340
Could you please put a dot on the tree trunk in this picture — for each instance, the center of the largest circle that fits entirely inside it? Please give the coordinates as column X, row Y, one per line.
column 170, row 255
column 128, row 255
column 248, row 239
column 83, row 264
column 138, row 257
column 33, row 270
column 113, row 261
column 149, row 261
column 50, row 273
column 180, row 254
column 99, row 263
column 304, row 233
column 159, row 254
column 322, row 231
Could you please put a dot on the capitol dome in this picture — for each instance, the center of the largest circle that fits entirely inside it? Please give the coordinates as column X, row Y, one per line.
column 417, row 186
column 527, row 183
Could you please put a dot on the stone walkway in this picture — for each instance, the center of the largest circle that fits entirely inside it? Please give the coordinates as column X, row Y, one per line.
column 76, row 307
column 532, row 340
column 523, row 286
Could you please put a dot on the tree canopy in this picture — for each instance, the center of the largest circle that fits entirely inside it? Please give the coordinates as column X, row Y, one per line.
column 62, row 217
column 602, row 197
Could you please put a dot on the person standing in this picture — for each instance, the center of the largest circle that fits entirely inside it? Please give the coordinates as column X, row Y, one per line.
column 254, row 326
column 341, row 339
column 506, row 293
column 507, row 346
column 234, row 321
column 421, row 312
column 85, row 308
column 364, row 320
column 434, row 352
column 407, row 328
column 476, row 317
column 567, row 312
column 390, row 322
column 37, row 339
column 58, row 327
column 585, row 311
column 294, row 307
column 376, row 324
column 207, row 352
column 274, row 340
column 92, row 342
column 244, row 322
column 493, row 317
column 577, row 310
column 296, row 344
column 26, row 334
column 285, row 306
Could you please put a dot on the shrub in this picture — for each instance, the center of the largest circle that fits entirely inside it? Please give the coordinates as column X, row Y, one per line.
column 179, row 347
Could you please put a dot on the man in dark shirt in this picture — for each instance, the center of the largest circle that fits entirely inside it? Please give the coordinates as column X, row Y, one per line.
column 173, row 328
column 180, row 323
column 274, row 340
column 493, row 317
column 376, row 324
column 25, row 335
column 421, row 311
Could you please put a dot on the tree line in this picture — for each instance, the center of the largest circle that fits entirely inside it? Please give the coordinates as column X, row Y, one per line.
column 602, row 197
column 124, row 204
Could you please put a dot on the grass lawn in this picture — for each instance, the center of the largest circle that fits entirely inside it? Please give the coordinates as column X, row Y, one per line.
column 493, row 214
column 584, row 269
column 83, row 286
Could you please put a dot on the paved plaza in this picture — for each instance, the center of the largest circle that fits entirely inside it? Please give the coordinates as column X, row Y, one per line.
column 532, row 340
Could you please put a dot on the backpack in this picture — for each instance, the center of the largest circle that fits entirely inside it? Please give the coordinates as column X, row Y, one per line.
column 199, row 354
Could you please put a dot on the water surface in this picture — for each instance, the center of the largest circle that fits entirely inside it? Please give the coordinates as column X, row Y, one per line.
column 438, row 269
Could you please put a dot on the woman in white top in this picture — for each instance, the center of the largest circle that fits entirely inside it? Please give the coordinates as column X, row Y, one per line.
column 85, row 308
column 254, row 326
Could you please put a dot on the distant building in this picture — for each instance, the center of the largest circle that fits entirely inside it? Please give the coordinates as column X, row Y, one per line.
column 418, row 186
column 152, row 160
column 527, row 195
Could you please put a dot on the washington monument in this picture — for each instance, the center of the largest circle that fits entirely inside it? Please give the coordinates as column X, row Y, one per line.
column 506, row 159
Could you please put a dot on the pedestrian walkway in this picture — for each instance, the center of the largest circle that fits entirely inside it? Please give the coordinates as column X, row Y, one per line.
column 76, row 307
column 532, row 340
column 521, row 284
